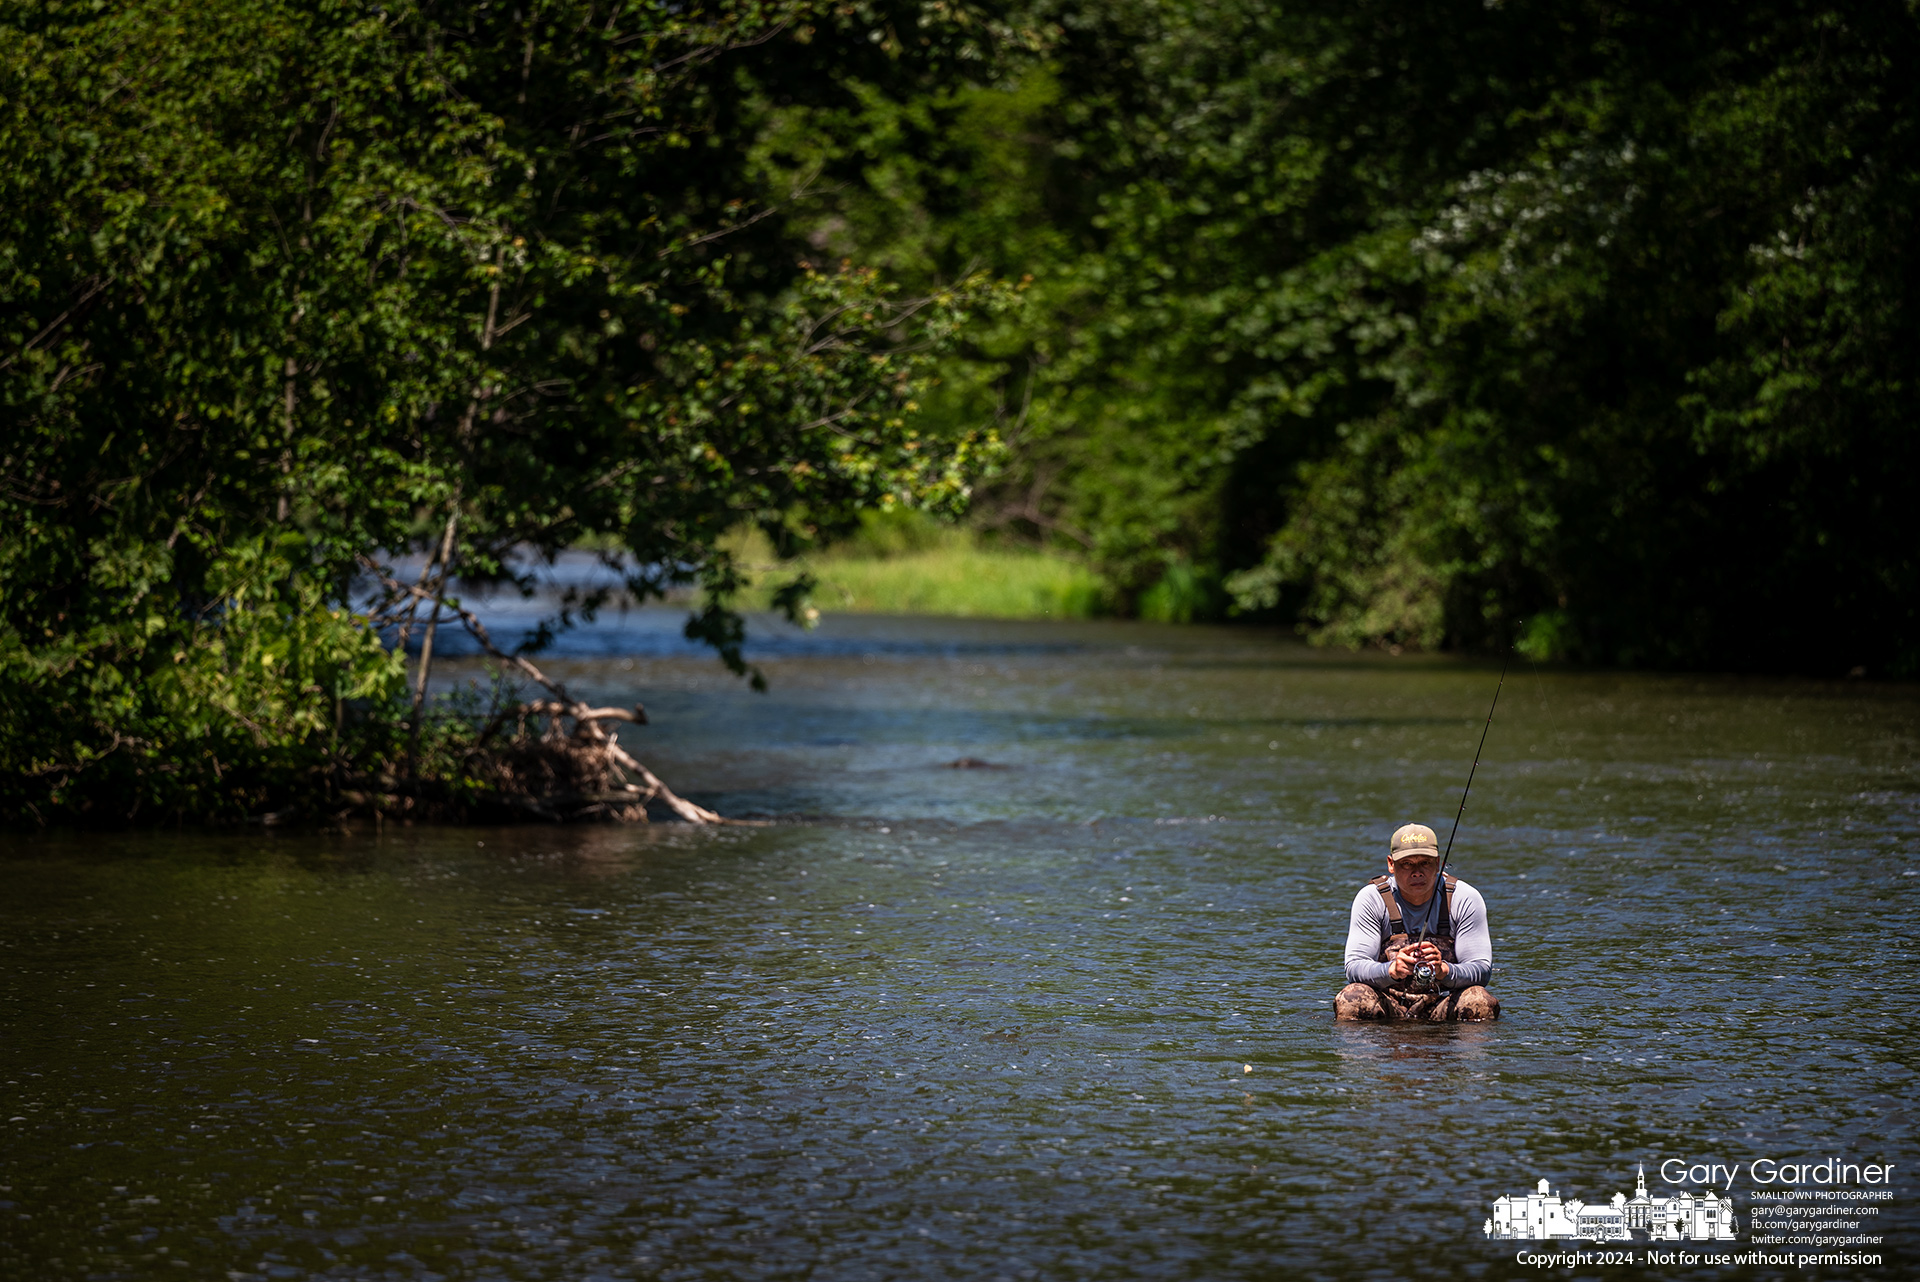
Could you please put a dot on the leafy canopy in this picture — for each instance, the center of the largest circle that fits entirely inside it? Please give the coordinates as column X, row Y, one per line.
column 1591, row 326
column 293, row 287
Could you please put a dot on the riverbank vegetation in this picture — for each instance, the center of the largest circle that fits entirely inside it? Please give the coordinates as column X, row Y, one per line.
column 1587, row 328
column 293, row 289
column 904, row 562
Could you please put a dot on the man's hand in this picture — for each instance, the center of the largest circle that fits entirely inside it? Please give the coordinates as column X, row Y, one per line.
column 1401, row 963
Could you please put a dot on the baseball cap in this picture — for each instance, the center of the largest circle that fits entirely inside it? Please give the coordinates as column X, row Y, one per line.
column 1413, row 839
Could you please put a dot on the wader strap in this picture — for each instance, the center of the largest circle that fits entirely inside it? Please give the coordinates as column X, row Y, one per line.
column 1394, row 925
column 1452, row 881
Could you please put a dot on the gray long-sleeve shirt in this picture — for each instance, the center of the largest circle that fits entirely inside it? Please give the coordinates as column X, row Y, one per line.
column 1472, row 941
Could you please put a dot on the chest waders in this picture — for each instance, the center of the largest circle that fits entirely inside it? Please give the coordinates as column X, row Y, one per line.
column 1407, row 1002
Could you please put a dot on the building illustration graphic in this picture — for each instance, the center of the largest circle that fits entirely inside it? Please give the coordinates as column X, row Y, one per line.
column 1543, row 1214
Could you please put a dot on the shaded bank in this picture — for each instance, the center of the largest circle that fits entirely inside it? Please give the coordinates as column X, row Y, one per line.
column 1591, row 326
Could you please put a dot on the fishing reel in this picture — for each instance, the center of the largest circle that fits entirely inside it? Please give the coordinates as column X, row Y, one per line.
column 1424, row 979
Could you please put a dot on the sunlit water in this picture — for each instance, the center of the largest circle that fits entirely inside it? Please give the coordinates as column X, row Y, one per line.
column 1065, row 1018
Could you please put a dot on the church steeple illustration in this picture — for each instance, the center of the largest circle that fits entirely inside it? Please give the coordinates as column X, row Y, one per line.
column 1544, row 1214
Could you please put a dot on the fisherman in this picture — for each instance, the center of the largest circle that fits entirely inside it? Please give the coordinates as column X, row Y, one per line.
column 1403, row 920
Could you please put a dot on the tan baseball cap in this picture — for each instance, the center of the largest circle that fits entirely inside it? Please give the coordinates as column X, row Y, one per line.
column 1413, row 839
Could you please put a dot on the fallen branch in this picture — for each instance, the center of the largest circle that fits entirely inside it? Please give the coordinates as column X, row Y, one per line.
column 659, row 791
column 635, row 715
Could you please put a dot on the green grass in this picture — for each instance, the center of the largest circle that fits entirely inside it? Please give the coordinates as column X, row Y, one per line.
column 949, row 573
column 965, row 581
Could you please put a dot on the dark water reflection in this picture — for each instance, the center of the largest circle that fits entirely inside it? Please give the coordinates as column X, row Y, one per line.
column 1067, row 1018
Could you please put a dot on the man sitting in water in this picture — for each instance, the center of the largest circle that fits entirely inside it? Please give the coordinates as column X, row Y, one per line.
column 1390, row 915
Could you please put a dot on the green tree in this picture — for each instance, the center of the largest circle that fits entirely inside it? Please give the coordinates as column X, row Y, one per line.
column 291, row 288
column 1590, row 326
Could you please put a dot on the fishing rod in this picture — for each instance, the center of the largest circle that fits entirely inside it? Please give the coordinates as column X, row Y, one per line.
column 1424, row 972
column 1475, row 766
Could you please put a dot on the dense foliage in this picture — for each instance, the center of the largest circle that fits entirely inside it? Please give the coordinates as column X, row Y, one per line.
column 1590, row 326
column 1585, row 326
column 290, row 288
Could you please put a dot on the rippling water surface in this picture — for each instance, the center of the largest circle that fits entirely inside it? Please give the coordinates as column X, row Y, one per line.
column 1065, row 1017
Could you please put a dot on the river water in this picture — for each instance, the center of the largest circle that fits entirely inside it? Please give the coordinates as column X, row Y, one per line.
column 1064, row 1016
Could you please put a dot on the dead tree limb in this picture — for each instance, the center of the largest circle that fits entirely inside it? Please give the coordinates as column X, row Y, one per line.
column 444, row 558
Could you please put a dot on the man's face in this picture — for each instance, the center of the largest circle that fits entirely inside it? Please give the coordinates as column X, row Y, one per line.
column 1415, row 875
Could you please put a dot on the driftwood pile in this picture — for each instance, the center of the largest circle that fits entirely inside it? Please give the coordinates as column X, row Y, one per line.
column 573, row 767
column 557, row 758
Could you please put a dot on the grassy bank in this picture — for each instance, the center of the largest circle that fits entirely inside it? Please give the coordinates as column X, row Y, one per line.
column 898, row 567
column 959, row 581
